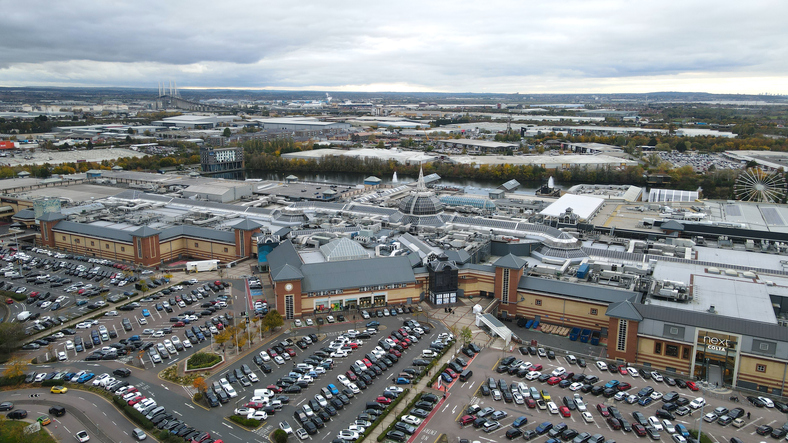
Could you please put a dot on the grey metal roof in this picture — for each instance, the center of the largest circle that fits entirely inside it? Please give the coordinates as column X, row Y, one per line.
column 288, row 272
column 197, row 232
column 715, row 322
column 94, row 231
column 493, row 321
column 624, row 309
column 145, row 231
column 578, row 290
column 246, row 225
column 460, row 255
column 25, row 214
column 510, row 261
column 282, row 255
column 672, row 225
column 343, row 249
column 51, row 216
column 356, row 273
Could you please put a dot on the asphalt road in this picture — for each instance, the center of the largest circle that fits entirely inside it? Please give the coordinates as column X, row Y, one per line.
column 84, row 411
column 445, row 420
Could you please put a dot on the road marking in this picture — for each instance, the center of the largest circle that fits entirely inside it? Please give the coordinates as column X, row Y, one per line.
column 228, row 426
column 176, row 412
column 189, row 405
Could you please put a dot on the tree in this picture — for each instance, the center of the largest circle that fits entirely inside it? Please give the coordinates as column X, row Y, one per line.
column 227, row 132
column 223, row 337
column 11, row 336
column 279, row 436
column 15, row 367
column 200, row 384
column 466, row 335
column 273, row 320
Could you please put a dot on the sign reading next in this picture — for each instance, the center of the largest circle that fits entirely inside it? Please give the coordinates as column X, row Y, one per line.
column 716, row 344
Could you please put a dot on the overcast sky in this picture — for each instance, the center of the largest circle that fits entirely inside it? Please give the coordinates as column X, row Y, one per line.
column 521, row 46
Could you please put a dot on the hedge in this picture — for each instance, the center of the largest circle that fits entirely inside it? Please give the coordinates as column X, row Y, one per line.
column 14, row 295
column 133, row 414
column 382, row 435
column 167, row 437
column 247, row 422
column 704, row 438
column 47, row 383
column 438, row 374
column 12, row 381
column 202, row 360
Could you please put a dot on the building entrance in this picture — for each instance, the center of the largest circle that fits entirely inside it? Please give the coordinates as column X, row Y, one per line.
column 715, row 357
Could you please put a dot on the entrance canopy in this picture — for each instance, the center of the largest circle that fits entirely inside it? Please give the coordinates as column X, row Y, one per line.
column 494, row 326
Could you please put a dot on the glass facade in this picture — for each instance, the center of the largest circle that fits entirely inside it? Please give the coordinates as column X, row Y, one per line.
column 476, row 202
column 716, row 357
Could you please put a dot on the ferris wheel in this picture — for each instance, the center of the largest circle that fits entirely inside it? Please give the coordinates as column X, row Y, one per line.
column 755, row 184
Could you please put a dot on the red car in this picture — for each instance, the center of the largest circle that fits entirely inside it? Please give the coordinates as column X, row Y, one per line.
column 530, row 402
column 467, row 419
column 351, row 376
column 367, row 363
column 552, row 381
column 395, row 352
column 34, row 294
column 134, row 401
column 603, row 410
column 536, row 367
column 639, row 429
column 451, row 372
column 271, row 352
column 179, row 324
column 275, row 388
column 9, row 301
column 692, row 385
column 403, row 344
column 614, row 423
column 383, row 400
column 291, row 352
column 624, row 386
column 353, row 345
column 220, row 326
column 564, row 411
column 255, row 405
column 396, row 342
column 568, row 375
column 622, row 370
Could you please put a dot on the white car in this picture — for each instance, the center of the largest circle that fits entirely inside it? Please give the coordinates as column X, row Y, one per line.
column 259, row 415
column 357, row 428
column 69, row 345
column 343, row 379
column 395, row 389
column 174, row 340
column 309, row 322
column 158, row 334
column 587, row 417
column 97, row 381
column 298, row 323
column 411, row 420
column 581, row 406
column 353, row 388
column 330, row 318
column 575, row 386
column 228, row 388
column 669, row 428
column 187, row 344
column 656, row 395
column 429, row 353
column 279, row 360
column 697, row 403
column 253, row 378
column 601, row 365
column 633, row 372
column 766, row 402
column 321, row 400
column 655, row 423
column 552, row 407
column 346, row 434
column 559, row 371
column 518, row 398
column 533, row 375
column 656, row 376
column 264, row 355
column 61, row 356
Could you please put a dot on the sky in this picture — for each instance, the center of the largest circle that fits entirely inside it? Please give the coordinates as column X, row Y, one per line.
column 525, row 46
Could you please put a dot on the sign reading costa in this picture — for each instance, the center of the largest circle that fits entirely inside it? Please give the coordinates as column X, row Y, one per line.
column 716, row 344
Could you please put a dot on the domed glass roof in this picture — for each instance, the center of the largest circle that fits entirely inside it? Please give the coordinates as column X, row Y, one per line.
column 421, row 201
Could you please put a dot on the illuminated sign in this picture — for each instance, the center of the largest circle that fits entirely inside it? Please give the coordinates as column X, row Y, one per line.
column 716, row 344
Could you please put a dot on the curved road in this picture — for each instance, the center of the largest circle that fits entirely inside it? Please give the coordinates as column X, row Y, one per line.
column 112, row 426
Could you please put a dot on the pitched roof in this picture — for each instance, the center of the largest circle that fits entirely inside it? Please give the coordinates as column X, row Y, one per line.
column 284, row 254
column 578, row 290
column 197, row 232
column 510, row 261
column 94, row 231
column 246, row 225
column 715, row 322
column 624, row 309
column 51, row 216
column 25, row 214
column 356, row 273
column 145, row 231
column 459, row 255
column 671, row 225
column 288, row 272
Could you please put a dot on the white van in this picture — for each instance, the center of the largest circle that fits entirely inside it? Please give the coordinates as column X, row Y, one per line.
column 24, row 315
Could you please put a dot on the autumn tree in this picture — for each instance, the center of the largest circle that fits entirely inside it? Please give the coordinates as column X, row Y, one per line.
column 273, row 320
column 200, row 384
column 15, row 367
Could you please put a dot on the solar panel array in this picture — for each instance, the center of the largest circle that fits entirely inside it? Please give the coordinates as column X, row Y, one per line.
column 772, row 216
column 486, row 222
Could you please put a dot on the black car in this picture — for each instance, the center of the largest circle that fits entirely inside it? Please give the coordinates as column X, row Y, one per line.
column 17, row 414
column 760, row 430
column 396, row 435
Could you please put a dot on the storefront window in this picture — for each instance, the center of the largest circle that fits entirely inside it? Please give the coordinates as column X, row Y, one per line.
column 658, row 348
column 365, row 302
column 672, row 351
column 380, row 300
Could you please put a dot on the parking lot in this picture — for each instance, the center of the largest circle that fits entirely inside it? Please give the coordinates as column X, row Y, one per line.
column 292, row 403
column 462, row 395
